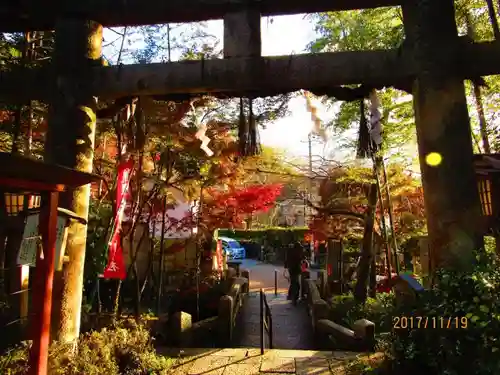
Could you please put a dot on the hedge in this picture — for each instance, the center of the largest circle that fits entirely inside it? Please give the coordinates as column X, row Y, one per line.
column 275, row 235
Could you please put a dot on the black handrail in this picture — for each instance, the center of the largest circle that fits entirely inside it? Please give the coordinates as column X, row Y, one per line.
column 266, row 322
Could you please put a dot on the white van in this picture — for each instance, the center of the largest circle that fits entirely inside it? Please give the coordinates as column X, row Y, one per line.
column 232, row 248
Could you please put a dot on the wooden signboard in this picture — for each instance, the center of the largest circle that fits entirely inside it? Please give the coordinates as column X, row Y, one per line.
column 32, row 241
column 335, row 269
column 425, row 260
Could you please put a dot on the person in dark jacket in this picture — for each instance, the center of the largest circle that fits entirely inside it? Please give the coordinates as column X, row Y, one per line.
column 294, row 257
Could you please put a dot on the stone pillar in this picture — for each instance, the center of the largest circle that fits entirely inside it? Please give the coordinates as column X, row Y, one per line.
column 306, row 275
column 225, row 318
column 320, row 311
column 322, row 280
column 443, row 133
column 246, row 274
column 181, row 324
column 334, row 266
column 242, row 37
column 365, row 330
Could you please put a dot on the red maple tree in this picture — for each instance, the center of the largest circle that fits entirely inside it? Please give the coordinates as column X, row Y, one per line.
column 228, row 209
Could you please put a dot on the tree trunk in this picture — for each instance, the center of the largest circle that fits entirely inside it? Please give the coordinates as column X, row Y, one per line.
column 372, row 285
column 116, row 303
column 70, row 142
column 161, row 265
column 385, row 235
column 367, row 247
column 483, row 127
column 394, row 240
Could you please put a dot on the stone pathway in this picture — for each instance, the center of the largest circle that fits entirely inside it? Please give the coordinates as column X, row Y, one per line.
column 292, row 331
column 291, row 324
column 248, row 361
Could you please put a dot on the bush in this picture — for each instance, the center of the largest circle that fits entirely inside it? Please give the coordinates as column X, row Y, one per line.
column 345, row 310
column 472, row 349
column 274, row 236
column 440, row 348
column 108, row 352
column 15, row 361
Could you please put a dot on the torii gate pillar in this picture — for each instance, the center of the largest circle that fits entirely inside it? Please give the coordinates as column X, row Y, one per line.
column 242, row 37
column 444, row 135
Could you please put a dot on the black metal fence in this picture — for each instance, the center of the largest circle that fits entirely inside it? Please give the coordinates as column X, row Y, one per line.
column 266, row 322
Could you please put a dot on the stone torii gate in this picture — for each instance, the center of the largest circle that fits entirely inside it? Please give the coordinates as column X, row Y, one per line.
column 431, row 64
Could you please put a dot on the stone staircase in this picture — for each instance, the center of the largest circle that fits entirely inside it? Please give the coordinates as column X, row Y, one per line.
column 248, row 361
column 291, row 324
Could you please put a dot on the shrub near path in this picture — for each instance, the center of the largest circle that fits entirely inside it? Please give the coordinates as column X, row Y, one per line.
column 473, row 348
column 115, row 351
column 469, row 298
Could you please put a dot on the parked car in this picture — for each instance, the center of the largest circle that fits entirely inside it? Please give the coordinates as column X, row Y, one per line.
column 232, row 248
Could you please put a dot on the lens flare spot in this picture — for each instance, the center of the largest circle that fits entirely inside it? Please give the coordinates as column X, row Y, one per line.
column 433, row 159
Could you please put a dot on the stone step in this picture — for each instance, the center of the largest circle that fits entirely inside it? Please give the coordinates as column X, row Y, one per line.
column 249, row 361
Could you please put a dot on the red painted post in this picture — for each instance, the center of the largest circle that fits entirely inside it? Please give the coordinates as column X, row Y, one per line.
column 43, row 287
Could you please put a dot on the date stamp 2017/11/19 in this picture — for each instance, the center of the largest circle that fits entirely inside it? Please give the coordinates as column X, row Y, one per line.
column 424, row 322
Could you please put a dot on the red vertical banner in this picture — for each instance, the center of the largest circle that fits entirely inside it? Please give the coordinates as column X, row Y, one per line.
column 116, row 269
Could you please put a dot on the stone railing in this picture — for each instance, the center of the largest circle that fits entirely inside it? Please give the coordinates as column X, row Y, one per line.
column 230, row 306
column 322, row 283
column 331, row 335
column 216, row 330
column 306, row 275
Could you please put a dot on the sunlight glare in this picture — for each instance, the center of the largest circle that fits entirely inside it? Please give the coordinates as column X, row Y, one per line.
column 433, row 159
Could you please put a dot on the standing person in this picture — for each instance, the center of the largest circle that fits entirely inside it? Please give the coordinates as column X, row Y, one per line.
column 293, row 261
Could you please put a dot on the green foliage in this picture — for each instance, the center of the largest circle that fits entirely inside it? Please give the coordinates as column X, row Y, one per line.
column 345, row 310
column 369, row 29
column 273, row 236
column 382, row 28
column 108, row 352
column 97, row 237
column 15, row 361
column 378, row 28
column 474, row 349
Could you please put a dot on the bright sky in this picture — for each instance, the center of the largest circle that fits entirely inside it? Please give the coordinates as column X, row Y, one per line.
column 287, row 35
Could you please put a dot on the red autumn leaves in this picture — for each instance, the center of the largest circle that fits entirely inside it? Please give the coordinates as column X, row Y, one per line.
column 229, row 208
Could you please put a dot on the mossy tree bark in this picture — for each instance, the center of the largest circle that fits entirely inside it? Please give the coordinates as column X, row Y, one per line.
column 70, row 142
column 443, row 128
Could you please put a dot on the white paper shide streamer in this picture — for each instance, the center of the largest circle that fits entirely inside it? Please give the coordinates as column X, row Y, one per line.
column 318, row 128
column 200, row 134
column 375, row 117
